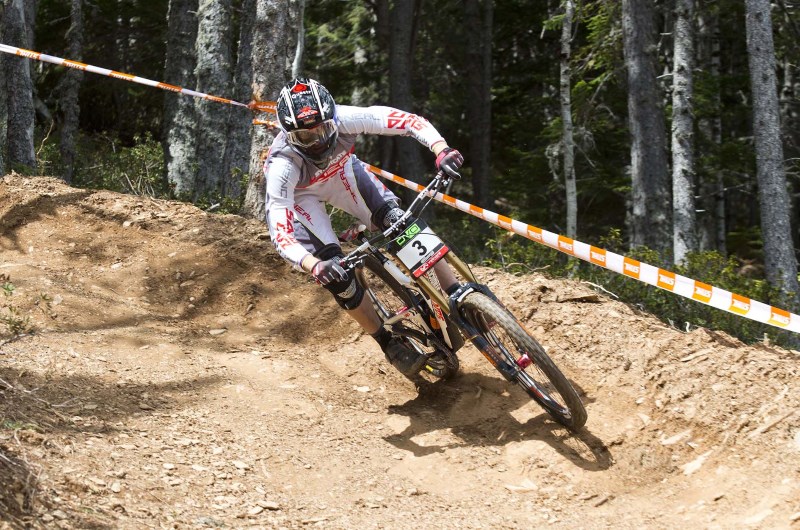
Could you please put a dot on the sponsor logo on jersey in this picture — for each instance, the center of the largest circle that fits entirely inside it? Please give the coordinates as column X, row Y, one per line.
column 337, row 165
column 404, row 120
column 299, row 209
column 284, row 232
column 347, row 186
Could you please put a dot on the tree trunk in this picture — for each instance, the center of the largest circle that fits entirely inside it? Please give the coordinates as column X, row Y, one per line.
column 121, row 96
column 478, row 17
column 779, row 258
column 297, row 64
column 179, row 115
column 19, row 84
column 213, row 77
column 650, row 186
column 240, row 126
column 712, row 226
column 3, row 96
column 401, row 59
column 69, row 93
column 383, row 34
column 684, row 228
column 274, row 44
column 566, row 120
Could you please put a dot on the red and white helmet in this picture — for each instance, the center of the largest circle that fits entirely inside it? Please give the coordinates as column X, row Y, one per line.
column 307, row 114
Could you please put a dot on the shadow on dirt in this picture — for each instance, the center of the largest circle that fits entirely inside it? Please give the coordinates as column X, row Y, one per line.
column 479, row 409
column 35, row 209
column 34, row 411
column 84, row 404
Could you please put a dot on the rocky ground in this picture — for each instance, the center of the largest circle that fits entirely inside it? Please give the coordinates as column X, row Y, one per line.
column 182, row 376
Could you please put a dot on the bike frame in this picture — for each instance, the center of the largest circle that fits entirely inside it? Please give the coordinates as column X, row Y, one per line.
column 438, row 304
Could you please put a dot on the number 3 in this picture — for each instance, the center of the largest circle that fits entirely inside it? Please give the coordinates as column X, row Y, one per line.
column 422, row 249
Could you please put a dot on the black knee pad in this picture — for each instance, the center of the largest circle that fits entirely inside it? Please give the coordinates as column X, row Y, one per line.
column 348, row 293
column 387, row 214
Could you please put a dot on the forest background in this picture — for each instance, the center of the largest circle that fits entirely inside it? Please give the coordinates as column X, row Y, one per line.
column 665, row 130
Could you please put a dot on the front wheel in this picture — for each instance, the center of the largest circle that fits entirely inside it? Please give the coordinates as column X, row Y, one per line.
column 534, row 370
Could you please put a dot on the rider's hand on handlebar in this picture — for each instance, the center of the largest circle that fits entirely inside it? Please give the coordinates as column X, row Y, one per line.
column 328, row 271
column 449, row 160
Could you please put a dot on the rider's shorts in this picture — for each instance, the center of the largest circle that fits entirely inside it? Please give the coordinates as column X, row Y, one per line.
column 353, row 190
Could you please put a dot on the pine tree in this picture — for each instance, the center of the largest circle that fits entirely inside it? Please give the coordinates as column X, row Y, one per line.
column 478, row 18
column 179, row 114
column 237, row 150
column 70, row 106
column 273, row 50
column 776, row 230
column 684, row 230
column 650, row 215
column 3, row 96
column 214, row 75
column 567, row 140
column 21, row 154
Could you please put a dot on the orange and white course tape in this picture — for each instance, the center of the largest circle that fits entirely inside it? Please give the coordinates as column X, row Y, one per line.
column 655, row 276
column 266, row 106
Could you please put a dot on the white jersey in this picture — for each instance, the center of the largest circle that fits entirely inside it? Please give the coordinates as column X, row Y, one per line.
column 296, row 188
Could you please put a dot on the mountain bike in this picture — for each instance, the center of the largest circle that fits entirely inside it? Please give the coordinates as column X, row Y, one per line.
column 400, row 270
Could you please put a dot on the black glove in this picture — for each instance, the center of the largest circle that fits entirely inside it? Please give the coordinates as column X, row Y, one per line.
column 449, row 161
column 328, row 271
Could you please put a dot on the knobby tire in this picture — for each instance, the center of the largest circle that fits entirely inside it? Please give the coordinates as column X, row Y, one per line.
column 542, row 380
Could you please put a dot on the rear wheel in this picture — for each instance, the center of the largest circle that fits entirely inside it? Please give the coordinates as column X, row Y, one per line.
column 390, row 299
column 536, row 372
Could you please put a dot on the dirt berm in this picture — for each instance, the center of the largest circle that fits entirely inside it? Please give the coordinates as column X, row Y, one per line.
column 181, row 375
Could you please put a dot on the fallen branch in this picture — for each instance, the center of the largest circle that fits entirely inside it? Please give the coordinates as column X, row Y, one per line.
column 768, row 426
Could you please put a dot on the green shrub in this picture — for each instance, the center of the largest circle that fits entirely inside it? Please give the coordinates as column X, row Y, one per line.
column 104, row 162
column 516, row 254
column 11, row 317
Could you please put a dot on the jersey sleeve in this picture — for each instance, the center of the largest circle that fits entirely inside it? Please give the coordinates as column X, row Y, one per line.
column 281, row 178
column 387, row 121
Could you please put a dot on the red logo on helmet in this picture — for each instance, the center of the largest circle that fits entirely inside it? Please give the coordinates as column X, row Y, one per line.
column 299, row 87
column 306, row 112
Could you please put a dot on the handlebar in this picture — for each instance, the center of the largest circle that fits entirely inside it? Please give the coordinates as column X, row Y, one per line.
column 415, row 209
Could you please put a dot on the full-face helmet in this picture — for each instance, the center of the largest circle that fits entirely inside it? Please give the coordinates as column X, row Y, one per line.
column 307, row 114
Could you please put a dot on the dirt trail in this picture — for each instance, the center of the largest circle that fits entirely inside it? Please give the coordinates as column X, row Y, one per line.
column 185, row 377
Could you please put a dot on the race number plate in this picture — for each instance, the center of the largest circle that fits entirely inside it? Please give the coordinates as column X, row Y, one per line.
column 420, row 248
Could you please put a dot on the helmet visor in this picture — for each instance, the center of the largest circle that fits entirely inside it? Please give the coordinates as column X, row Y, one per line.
column 315, row 139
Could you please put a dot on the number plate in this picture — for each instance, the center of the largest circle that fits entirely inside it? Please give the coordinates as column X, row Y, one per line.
column 420, row 248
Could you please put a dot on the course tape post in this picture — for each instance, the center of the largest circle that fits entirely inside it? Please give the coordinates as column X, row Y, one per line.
column 655, row 276
column 266, row 106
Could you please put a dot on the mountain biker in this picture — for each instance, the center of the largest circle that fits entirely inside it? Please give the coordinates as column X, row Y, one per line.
column 311, row 162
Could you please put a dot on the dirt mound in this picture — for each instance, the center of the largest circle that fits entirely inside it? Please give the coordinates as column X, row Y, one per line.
column 181, row 375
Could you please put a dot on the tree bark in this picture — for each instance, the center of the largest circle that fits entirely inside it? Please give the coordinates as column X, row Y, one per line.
column 214, row 73
column 383, row 34
column 567, row 139
column 122, row 57
column 779, row 258
column 273, row 50
column 650, row 186
column 478, row 16
column 240, row 126
column 179, row 114
column 712, row 225
column 401, row 59
column 70, row 88
column 3, row 96
column 297, row 64
column 19, row 84
column 684, row 227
